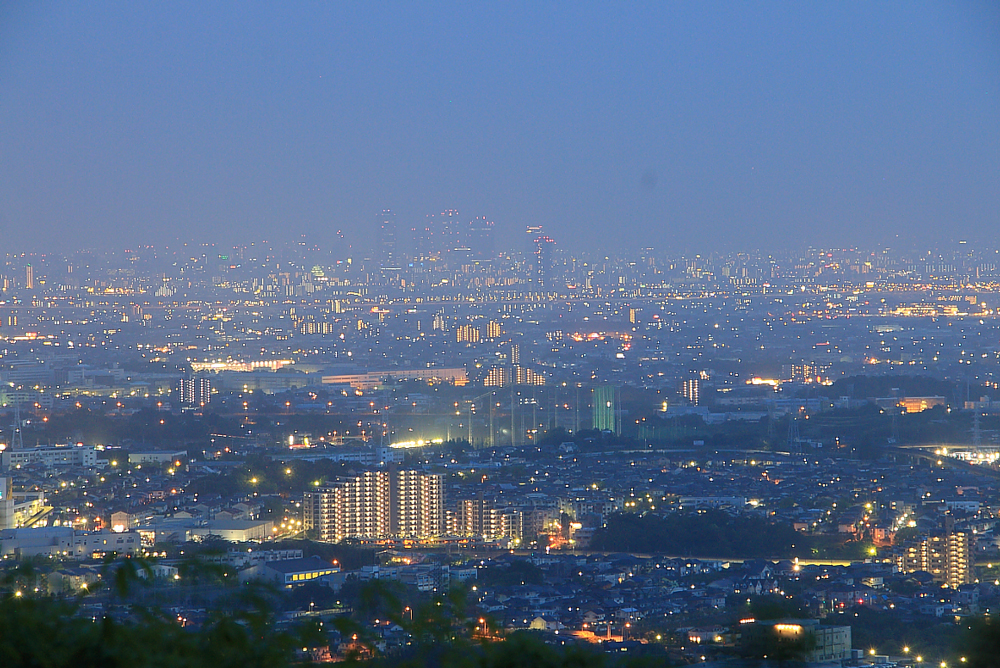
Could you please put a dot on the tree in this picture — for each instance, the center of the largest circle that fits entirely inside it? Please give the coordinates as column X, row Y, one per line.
column 980, row 644
column 768, row 642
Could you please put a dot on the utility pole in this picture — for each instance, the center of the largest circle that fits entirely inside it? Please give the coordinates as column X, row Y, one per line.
column 793, row 435
column 16, row 438
column 576, row 410
column 534, row 417
column 472, row 407
column 512, row 430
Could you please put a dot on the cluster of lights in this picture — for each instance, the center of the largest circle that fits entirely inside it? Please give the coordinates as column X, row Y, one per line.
column 417, row 444
column 788, row 628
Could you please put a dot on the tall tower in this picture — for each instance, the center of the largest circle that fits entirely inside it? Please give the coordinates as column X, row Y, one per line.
column 794, row 442
column 544, row 262
column 29, row 277
column 388, row 243
column 452, row 238
column 452, row 234
column 481, row 239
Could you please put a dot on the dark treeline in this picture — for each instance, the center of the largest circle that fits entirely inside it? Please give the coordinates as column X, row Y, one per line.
column 711, row 533
column 869, row 387
column 59, row 634
column 55, row 633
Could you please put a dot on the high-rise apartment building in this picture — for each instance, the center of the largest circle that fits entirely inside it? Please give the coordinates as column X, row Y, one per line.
column 516, row 374
column 497, row 376
column 691, row 390
column 194, row 391
column 467, row 334
column 377, row 504
column 522, row 375
column 515, row 353
column 805, row 372
column 946, row 556
column 479, row 518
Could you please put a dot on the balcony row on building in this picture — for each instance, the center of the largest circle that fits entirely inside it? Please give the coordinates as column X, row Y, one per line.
column 383, row 504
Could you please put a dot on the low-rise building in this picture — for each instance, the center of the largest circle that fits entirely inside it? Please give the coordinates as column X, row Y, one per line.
column 293, row 571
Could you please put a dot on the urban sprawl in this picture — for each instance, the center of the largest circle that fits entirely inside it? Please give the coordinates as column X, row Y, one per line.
column 680, row 456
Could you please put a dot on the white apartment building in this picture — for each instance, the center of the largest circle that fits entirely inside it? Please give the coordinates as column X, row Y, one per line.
column 377, row 504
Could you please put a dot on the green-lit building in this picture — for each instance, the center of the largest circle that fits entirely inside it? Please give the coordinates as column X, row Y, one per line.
column 606, row 411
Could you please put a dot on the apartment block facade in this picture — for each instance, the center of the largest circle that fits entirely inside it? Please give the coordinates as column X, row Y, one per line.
column 377, row 504
column 480, row 519
column 946, row 556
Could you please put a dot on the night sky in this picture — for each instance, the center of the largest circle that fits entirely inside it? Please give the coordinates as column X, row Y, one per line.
column 688, row 126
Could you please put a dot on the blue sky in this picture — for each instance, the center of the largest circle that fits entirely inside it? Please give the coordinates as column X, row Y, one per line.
column 681, row 125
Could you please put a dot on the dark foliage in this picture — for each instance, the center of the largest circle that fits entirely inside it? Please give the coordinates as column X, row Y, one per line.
column 711, row 533
column 980, row 643
column 518, row 572
column 867, row 387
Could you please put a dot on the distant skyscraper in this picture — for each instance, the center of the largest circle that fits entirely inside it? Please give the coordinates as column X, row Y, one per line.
column 481, row 239
column 29, row 277
column 544, row 261
column 533, row 232
column 453, row 239
column 439, row 234
column 388, row 244
column 423, row 241
column 450, row 233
